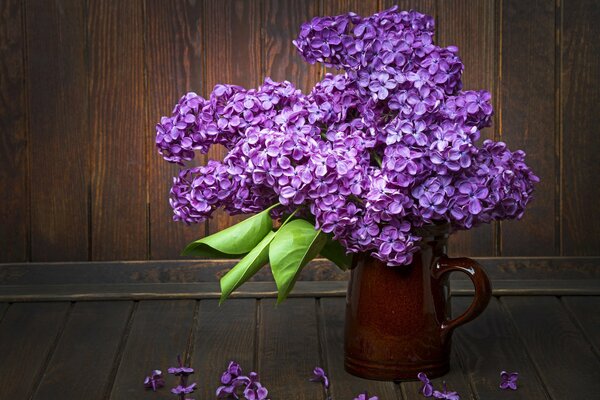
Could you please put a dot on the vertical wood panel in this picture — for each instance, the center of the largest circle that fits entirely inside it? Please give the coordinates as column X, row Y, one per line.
column 14, row 212
column 580, row 97
column 472, row 26
column 173, row 57
column 281, row 24
column 527, row 118
column 119, row 126
column 232, row 55
column 58, row 105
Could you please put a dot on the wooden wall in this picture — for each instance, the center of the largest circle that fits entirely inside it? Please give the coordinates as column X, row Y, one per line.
column 82, row 83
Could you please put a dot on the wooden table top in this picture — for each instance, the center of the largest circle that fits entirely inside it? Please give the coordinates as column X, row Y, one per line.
column 94, row 347
column 94, row 330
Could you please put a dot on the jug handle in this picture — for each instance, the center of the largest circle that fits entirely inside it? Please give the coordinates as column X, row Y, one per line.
column 483, row 289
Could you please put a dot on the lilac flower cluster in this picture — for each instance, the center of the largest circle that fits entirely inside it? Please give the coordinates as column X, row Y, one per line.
column 371, row 154
column 182, row 389
column 233, row 382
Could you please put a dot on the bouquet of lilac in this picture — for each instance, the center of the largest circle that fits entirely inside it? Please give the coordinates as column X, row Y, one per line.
column 357, row 165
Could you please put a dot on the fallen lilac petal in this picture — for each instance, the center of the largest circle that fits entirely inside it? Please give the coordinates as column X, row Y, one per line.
column 508, row 380
column 154, row 381
column 179, row 389
column 445, row 394
column 365, row 396
column 319, row 375
column 427, row 388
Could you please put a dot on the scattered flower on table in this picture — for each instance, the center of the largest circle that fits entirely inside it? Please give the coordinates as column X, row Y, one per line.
column 446, row 394
column 365, row 396
column 320, row 376
column 154, row 381
column 233, row 382
column 427, row 388
column 179, row 389
column 181, row 370
column 508, row 380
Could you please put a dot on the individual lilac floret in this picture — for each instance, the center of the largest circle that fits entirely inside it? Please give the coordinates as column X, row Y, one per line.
column 183, row 390
column 181, row 370
column 233, row 382
column 320, row 376
column 154, row 381
column 508, row 380
column 445, row 394
column 365, row 396
column 427, row 388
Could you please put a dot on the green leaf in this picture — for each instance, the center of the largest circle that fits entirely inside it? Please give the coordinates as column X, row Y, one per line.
column 294, row 246
column 335, row 252
column 234, row 241
column 248, row 266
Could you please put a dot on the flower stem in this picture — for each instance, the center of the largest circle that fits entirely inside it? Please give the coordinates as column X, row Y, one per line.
column 376, row 158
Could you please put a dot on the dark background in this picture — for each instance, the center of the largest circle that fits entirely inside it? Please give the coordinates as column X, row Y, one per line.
column 82, row 84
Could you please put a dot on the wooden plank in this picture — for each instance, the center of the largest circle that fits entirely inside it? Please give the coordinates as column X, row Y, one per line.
column 14, row 156
column 89, row 343
column 580, row 116
column 281, row 20
column 232, row 50
column 211, row 290
column 423, row 6
column 174, row 57
column 223, row 333
column 119, row 127
column 560, row 352
column 471, row 25
column 527, row 119
column 159, row 332
column 188, row 271
column 288, row 348
column 28, row 333
column 343, row 385
column 60, row 151
column 3, row 308
column 455, row 380
column 489, row 345
column 585, row 311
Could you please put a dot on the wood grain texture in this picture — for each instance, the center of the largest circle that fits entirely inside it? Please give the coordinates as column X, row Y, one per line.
column 559, row 350
column 232, row 326
column 58, row 103
column 119, row 126
column 190, row 271
column 159, row 332
column 580, row 116
column 490, row 344
column 89, row 343
column 288, row 349
column 472, row 26
column 527, row 119
column 14, row 157
column 232, row 55
column 23, row 355
column 281, row 20
column 585, row 312
column 343, row 385
column 174, row 66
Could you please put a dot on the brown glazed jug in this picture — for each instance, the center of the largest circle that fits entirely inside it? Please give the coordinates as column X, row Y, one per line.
column 398, row 320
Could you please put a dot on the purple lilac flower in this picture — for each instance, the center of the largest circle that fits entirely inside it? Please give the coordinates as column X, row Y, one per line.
column 427, row 388
column 181, row 370
column 233, row 382
column 154, row 380
column 320, row 376
column 509, row 380
column 382, row 148
column 445, row 394
column 182, row 390
column 365, row 396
